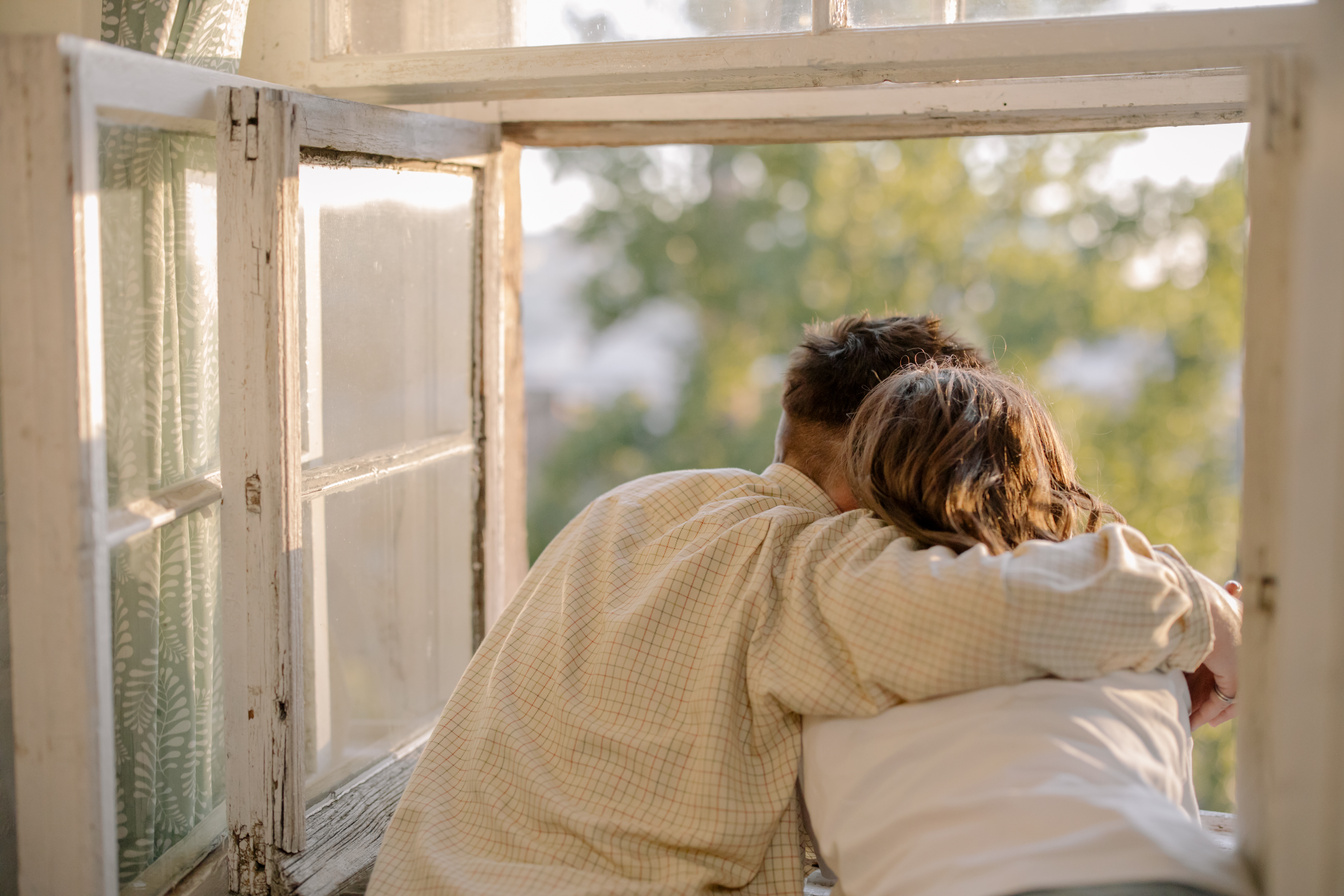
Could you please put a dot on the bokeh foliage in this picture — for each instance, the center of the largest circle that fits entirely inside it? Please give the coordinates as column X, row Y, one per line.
column 1121, row 304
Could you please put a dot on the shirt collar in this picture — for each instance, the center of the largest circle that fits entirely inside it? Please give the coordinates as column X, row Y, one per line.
column 799, row 489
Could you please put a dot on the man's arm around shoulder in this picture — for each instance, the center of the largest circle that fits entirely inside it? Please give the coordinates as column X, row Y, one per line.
column 868, row 620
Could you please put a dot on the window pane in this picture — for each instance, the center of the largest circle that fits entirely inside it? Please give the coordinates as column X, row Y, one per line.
column 408, row 26
column 167, row 681
column 160, row 308
column 388, row 282
column 1104, row 269
column 389, row 590
column 884, row 13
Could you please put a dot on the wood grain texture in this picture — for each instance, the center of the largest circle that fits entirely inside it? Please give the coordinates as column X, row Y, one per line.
column 749, row 132
column 1217, row 90
column 1273, row 157
column 132, row 83
column 260, row 465
column 1306, row 778
column 346, row 829
column 355, row 127
column 504, row 447
column 347, row 474
column 209, row 878
column 141, row 89
column 1091, row 45
column 55, row 475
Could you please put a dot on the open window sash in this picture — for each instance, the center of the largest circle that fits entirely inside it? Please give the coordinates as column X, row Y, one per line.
column 279, row 512
column 57, row 92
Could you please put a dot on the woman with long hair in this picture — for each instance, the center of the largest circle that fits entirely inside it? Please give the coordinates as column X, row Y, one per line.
column 1051, row 786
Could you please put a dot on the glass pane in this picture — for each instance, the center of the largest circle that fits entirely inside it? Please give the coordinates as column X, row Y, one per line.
column 388, row 586
column 884, row 13
column 411, row 26
column 160, row 308
column 167, row 686
column 388, row 285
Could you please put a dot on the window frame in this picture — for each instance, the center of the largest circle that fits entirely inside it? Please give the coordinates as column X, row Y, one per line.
column 285, row 48
column 55, row 478
column 60, row 89
column 874, row 112
column 261, row 134
column 51, row 353
column 690, row 91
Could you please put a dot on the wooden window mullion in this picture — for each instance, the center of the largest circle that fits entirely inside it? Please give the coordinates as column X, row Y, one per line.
column 1273, row 158
column 260, row 467
column 502, row 526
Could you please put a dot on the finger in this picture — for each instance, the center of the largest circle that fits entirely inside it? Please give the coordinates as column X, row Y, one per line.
column 1209, row 708
column 1200, row 683
column 1201, row 709
column 1204, row 713
column 1227, row 686
column 1233, row 588
column 1213, row 711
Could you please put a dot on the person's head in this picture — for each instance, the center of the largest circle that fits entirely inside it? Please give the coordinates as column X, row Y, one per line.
column 956, row 456
column 831, row 372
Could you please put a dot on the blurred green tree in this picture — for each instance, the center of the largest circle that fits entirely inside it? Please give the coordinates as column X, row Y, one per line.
column 1120, row 304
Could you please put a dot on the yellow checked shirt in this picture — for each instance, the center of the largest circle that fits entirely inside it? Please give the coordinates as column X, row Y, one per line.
column 631, row 723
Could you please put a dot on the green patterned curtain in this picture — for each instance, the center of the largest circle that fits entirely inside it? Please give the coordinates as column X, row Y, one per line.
column 157, row 214
column 208, row 33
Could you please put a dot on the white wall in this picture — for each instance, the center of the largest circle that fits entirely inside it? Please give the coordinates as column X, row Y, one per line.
column 81, row 17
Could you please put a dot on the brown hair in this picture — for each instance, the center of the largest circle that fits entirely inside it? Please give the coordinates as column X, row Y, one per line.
column 838, row 362
column 955, row 456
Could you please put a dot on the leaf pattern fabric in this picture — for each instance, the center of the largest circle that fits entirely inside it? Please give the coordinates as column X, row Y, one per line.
column 161, row 356
column 208, row 33
column 161, row 346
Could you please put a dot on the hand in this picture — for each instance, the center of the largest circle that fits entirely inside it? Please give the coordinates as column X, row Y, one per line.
column 1219, row 672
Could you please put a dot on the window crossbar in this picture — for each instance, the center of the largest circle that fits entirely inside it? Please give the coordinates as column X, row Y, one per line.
column 157, row 510
column 964, row 51
column 342, row 476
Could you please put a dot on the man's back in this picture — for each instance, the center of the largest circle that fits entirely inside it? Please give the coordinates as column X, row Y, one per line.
column 630, row 725
column 602, row 735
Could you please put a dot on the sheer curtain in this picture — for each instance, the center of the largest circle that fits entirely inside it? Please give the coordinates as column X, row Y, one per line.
column 161, row 363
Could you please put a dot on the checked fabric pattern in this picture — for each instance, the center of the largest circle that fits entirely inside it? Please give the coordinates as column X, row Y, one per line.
column 631, row 723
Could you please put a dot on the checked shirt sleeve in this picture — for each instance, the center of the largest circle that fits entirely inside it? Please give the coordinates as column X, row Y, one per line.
column 866, row 620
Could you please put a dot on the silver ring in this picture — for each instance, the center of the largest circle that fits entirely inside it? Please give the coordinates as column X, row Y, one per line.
column 1223, row 697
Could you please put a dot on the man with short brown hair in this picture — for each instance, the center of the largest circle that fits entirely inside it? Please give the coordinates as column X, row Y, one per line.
column 833, row 369
column 631, row 724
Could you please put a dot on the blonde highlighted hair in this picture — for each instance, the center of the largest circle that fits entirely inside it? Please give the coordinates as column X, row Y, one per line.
column 956, row 456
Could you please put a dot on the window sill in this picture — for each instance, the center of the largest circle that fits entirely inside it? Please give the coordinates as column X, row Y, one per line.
column 345, row 829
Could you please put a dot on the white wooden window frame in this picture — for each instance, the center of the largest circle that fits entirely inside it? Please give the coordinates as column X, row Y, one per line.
column 1278, row 68
column 55, row 93
column 261, row 134
column 286, row 48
